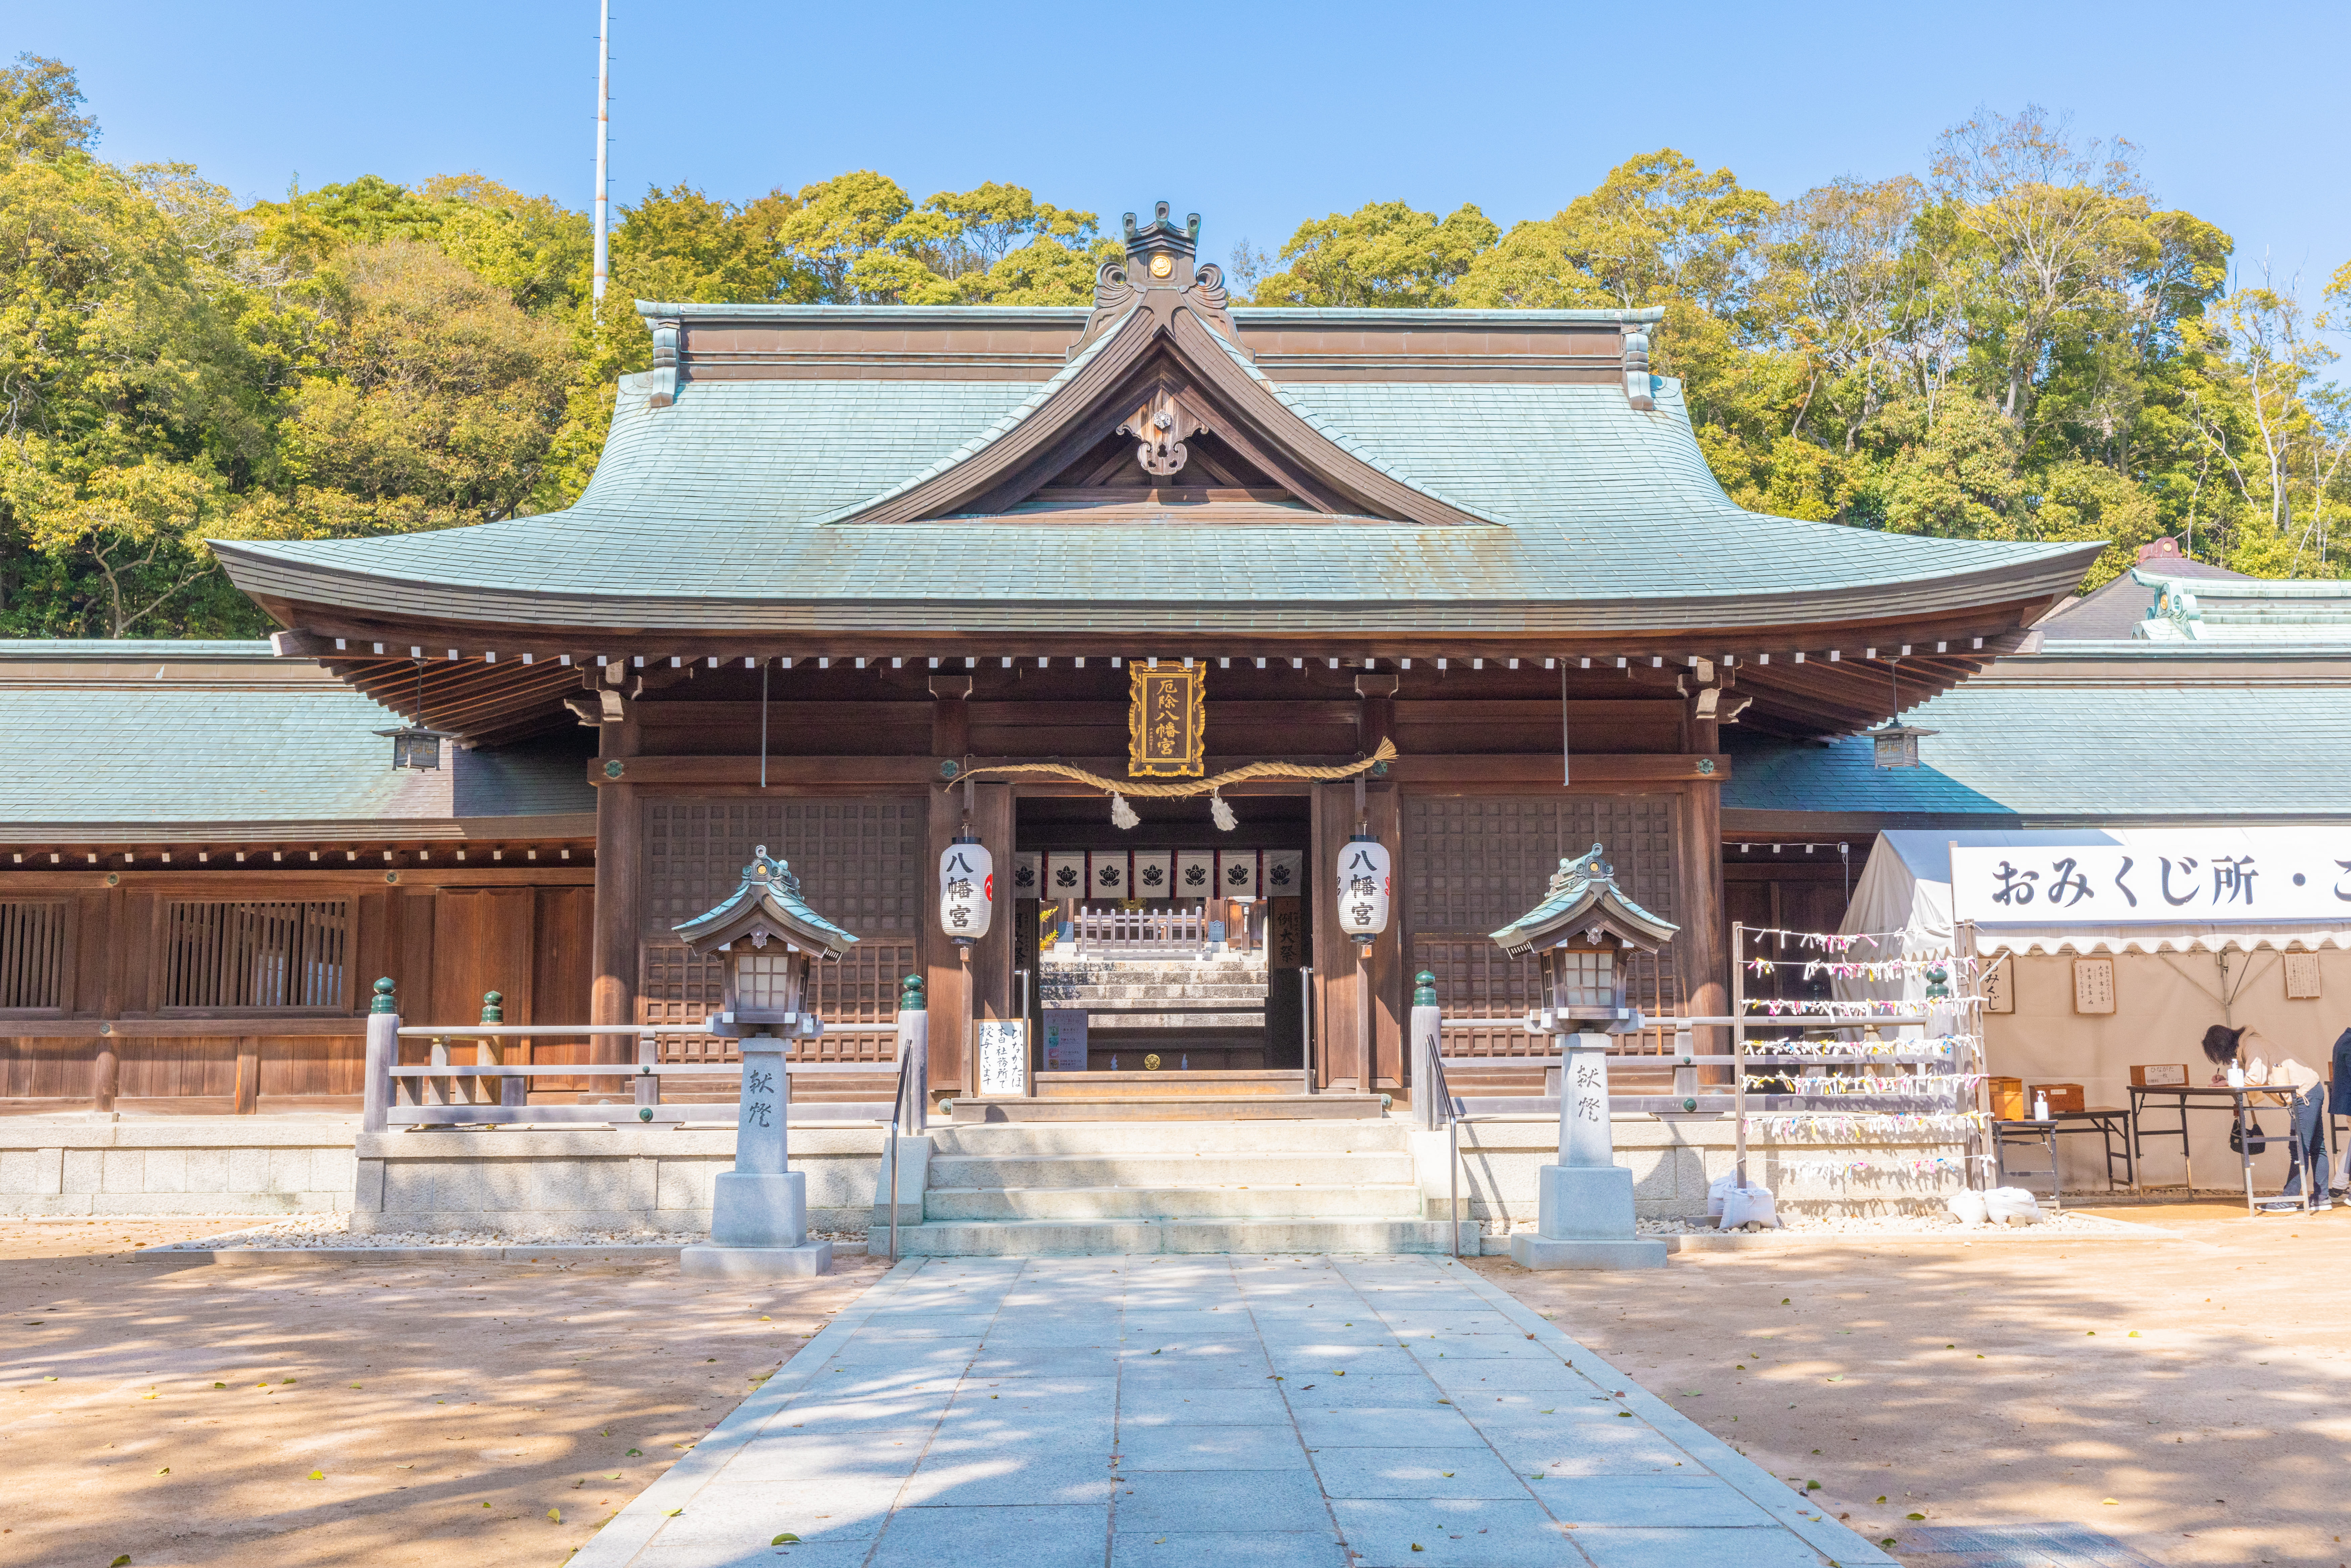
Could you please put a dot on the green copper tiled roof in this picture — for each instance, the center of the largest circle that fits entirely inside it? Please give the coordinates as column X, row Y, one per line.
column 83, row 757
column 2104, row 749
column 711, row 513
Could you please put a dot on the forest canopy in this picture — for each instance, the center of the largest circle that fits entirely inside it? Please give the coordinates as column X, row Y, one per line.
column 2023, row 344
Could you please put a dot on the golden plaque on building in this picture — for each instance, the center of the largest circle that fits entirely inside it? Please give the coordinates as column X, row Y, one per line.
column 1167, row 721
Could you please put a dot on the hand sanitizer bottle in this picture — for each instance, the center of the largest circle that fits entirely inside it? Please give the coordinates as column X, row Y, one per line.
column 2236, row 1075
column 2040, row 1106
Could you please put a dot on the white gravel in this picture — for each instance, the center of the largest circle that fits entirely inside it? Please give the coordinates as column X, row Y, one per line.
column 311, row 1231
column 1896, row 1225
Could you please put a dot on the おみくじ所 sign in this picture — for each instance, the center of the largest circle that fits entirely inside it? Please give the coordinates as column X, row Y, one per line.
column 2181, row 878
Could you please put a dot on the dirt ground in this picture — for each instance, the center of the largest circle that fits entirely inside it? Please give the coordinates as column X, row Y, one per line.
column 338, row 1414
column 2186, row 1394
column 2195, row 1378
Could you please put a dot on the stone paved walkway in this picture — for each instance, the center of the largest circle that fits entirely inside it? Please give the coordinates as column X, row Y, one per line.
column 1184, row 1412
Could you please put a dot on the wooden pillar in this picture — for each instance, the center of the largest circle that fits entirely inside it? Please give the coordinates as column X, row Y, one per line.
column 951, row 716
column 1346, row 1058
column 988, row 975
column 619, row 897
column 1375, row 720
column 1700, row 955
column 106, row 1061
column 248, row 1076
column 1389, row 968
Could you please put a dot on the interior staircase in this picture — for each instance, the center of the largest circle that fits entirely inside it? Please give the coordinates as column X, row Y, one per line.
column 1263, row 1186
column 1173, row 1006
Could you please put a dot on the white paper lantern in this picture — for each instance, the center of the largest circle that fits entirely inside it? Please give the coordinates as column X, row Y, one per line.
column 967, row 889
column 1362, row 887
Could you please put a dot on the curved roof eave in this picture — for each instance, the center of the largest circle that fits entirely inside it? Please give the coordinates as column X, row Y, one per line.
column 2047, row 569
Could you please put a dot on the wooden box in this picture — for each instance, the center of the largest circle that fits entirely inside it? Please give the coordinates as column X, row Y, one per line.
column 2161, row 1075
column 2062, row 1096
column 2008, row 1102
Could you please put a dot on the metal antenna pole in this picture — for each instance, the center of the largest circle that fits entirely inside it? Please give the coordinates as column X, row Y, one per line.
column 603, row 135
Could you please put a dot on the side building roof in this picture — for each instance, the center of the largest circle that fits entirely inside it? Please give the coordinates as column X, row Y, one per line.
column 163, row 741
column 2119, row 733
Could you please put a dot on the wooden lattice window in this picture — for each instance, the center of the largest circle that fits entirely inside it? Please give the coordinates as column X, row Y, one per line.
column 859, row 862
column 257, row 957
column 32, row 940
column 1475, row 863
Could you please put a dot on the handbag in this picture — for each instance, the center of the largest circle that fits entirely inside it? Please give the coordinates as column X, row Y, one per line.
column 2237, row 1135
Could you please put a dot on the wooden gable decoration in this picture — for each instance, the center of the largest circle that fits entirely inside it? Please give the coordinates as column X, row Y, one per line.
column 1160, row 408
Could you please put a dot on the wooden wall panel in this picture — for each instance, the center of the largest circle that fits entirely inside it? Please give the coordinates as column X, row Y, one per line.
column 482, row 942
column 312, row 1067
column 33, row 1067
column 178, row 1067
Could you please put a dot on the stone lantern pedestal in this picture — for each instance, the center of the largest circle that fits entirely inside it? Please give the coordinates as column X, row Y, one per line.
column 1584, row 1205
column 759, row 1210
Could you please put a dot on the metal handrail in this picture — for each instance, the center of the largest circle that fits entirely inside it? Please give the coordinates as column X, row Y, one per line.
column 897, row 1114
column 1446, row 1108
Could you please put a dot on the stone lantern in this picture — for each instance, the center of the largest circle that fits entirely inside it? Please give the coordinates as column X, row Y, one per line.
column 1583, row 936
column 769, row 940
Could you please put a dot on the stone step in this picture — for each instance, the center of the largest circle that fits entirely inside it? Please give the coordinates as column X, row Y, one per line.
column 1123, row 1140
column 1033, row 1238
column 1158, row 1170
column 1106, row 996
column 1298, row 1201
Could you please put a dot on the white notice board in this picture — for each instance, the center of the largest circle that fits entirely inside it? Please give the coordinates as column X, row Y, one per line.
column 1003, row 1058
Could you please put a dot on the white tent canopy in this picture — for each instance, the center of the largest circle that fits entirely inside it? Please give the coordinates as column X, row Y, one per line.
column 1906, row 888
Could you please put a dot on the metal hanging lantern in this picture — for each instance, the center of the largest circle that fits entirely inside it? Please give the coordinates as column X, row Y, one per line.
column 967, row 889
column 1363, row 887
column 770, row 938
column 1896, row 745
column 1583, row 936
column 415, row 744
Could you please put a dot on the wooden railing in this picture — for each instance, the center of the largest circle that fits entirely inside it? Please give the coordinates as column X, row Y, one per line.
column 1140, row 932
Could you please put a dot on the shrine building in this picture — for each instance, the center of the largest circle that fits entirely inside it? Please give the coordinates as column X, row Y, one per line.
column 852, row 581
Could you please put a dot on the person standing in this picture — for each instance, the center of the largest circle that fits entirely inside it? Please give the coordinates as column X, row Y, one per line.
column 2293, row 1085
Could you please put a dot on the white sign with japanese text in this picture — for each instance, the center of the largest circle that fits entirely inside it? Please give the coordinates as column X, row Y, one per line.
column 1003, row 1058
column 2300, row 877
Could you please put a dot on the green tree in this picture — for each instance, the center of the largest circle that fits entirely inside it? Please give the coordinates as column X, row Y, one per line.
column 1386, row 252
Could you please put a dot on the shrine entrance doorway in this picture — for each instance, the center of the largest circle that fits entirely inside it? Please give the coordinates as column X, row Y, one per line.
column 1167, row 958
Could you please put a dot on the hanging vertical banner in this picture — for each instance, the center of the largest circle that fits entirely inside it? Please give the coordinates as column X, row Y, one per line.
column 1109, row 878
column 1237, row 873
column 1154, row 874
column 1065, row 873
column 1167, row 721
column 1026, row 874
column 1285, row 873
column 1195, row 874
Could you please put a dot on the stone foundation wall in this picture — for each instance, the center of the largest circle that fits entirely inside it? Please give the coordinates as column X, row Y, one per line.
column 524, row 1181
column 1673, row 1162
column 93, row 1164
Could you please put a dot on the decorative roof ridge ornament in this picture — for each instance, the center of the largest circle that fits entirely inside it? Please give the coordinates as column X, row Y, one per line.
column 1582, row 902
column 1161, row 273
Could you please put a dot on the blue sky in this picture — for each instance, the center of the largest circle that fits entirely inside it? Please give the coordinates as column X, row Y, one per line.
column 1258, row 116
